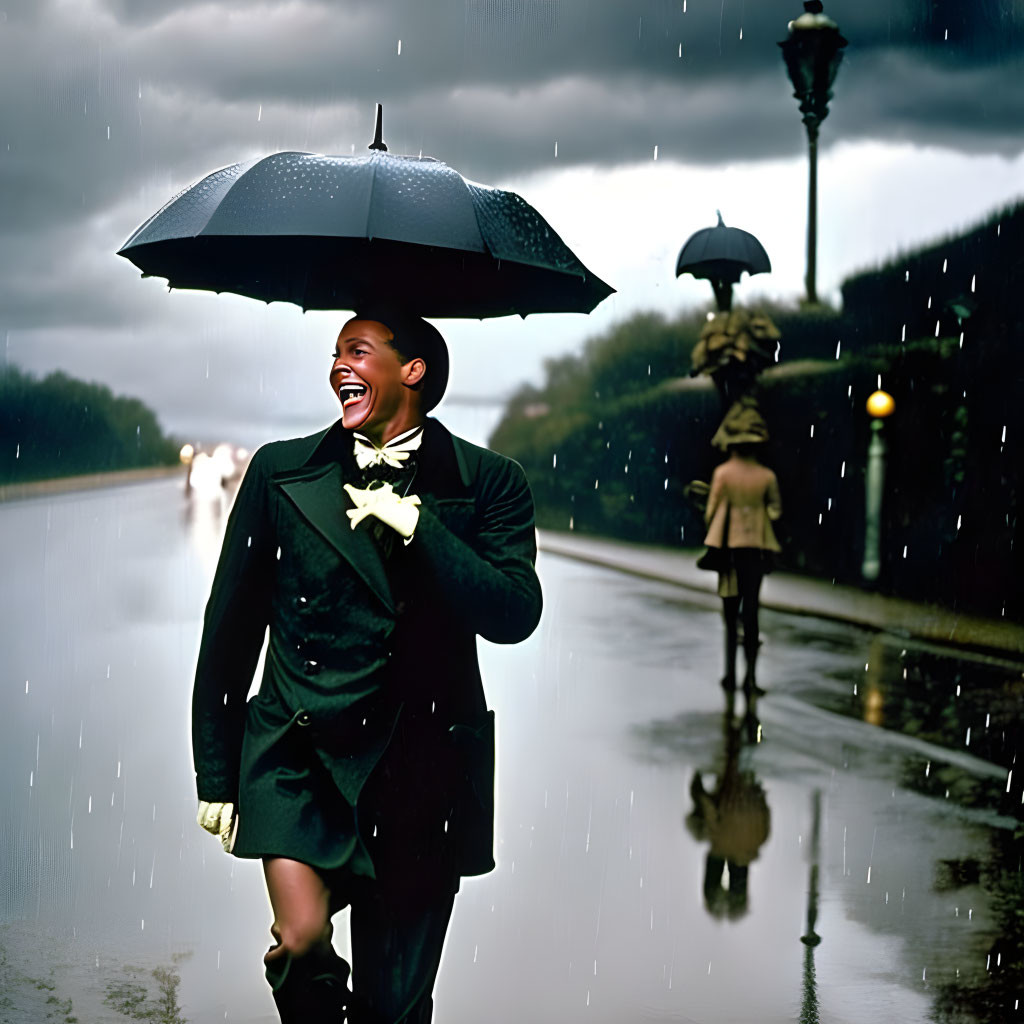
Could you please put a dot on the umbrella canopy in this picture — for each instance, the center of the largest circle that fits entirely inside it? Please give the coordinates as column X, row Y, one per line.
column 722, row 254
column 335, row 232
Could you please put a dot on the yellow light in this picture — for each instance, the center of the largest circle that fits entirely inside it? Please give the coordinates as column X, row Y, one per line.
column 873, row 705
column 186, row 453
column 880, row 404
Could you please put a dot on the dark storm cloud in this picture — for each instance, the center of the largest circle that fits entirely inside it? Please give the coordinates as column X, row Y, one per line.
column 107, row 107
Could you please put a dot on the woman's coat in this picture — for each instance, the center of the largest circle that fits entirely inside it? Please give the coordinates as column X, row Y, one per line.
column 745, row 495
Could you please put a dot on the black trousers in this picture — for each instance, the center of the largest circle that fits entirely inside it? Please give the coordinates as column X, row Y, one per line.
column 397, row 934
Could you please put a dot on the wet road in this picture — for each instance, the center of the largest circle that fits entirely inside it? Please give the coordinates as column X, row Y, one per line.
column 661, row 856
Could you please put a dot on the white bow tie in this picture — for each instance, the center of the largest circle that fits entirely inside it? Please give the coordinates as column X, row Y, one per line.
column 394, row 453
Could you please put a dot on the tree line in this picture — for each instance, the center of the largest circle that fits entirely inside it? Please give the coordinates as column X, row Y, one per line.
column 60, row 426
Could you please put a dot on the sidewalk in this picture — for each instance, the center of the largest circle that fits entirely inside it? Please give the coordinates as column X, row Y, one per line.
column 86, row 482
column 799, row 595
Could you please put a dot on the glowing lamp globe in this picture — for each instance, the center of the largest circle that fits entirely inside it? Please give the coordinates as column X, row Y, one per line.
column 880, row 404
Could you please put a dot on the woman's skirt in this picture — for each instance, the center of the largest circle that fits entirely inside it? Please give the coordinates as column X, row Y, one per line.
column 733, row 563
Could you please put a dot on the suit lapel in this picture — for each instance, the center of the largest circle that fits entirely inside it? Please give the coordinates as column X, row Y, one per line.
column 441, row 482
column 316, row 491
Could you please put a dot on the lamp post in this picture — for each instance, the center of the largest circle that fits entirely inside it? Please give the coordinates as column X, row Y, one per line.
column 880, row 404
column 812, row 52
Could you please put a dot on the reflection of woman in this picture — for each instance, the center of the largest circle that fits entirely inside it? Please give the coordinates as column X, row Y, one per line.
column 742, row 504
column 734, row 816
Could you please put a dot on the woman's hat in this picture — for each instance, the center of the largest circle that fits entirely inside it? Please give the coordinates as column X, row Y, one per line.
column 743, row 424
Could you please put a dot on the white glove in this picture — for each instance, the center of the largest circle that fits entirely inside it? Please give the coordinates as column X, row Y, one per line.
column 220, row 820
column 401, row 514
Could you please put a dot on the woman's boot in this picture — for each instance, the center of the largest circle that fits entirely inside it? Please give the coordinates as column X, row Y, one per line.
column 729, row 679
column 730, row 616
column 750, row 649
column 310, row 989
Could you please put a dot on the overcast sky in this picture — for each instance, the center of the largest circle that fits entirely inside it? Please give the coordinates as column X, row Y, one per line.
column 661, row 112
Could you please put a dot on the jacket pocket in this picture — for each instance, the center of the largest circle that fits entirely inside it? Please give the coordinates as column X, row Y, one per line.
column 473, row 748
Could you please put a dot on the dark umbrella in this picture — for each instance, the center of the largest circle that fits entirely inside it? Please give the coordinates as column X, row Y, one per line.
column 335, row 232
column 720, row 255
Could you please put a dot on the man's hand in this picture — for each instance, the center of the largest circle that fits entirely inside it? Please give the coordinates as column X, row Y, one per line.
column 220, row 820
column 401, row 514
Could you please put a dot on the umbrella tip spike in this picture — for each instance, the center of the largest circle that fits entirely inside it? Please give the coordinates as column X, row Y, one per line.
column 378, row 129
column 721, row 223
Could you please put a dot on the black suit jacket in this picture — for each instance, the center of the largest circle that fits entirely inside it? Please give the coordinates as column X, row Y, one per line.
column 371, row 660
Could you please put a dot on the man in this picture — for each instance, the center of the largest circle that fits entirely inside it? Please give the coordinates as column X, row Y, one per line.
column 362, row 771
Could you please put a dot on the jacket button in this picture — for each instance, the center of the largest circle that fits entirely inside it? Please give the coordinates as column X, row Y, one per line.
column 311, row 668
column 303, row 718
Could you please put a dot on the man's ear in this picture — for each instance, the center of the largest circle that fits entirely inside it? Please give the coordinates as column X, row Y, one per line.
column 413, row 372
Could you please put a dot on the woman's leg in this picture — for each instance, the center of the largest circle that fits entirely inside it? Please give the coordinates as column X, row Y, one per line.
column 309, row 980
column 300, row 900
column 731, row 617
column 749, row 578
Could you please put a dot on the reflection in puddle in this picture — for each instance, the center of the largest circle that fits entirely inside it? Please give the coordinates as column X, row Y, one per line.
column 45, row 977
column 732, row 816
column 907, row 752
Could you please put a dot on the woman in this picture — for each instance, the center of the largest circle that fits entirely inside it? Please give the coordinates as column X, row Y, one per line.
column 743, row 502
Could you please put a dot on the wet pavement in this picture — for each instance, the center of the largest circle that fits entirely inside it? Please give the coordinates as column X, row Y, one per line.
column 844, row 850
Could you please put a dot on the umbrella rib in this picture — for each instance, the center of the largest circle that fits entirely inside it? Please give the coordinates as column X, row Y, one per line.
column 253, row 164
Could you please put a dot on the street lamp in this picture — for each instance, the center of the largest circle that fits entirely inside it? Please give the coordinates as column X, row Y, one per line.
column 880, row 404
column 812, row 53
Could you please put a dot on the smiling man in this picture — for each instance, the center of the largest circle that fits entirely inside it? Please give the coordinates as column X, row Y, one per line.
column 376, row 384
column 361, row 774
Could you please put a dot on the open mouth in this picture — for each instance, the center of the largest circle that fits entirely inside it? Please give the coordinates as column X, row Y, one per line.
column 351, row 393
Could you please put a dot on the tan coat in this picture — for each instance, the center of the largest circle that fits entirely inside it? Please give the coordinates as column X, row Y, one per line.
column 747, row 494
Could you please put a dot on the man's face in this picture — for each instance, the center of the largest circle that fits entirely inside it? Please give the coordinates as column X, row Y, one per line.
column 369, row 377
